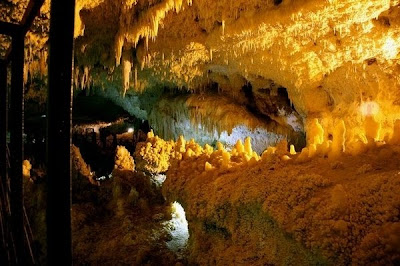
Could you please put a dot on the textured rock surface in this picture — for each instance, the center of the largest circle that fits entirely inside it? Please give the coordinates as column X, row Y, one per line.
column 331, row 56
column 280, row 212
column 209, row 118
column 338, row 63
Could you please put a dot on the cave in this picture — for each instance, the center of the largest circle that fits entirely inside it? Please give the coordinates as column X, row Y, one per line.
column 200, row 132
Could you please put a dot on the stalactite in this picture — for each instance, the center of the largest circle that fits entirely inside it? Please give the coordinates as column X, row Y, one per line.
column 136, row 79
column 126, row 71
column 146, row 26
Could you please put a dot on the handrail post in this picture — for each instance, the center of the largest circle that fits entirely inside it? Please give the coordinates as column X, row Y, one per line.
column 3, row 160
column 59, row 250
column 3, row 122
column 16, row 115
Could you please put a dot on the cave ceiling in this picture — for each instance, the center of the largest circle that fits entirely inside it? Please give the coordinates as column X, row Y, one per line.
column 330, row 55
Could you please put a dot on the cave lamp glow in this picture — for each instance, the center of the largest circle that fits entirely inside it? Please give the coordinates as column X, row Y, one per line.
column 390, row 48
column 369, row 108
column 130, row 130
column 372, row 127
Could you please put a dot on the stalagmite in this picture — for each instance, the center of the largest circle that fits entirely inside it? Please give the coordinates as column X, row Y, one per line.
column 338, row 141
column 292, row 150
column 220, row 146
column 189, row 153
column 226, row 157
column 247, row 146
column 208, row 167
column 26, row 168
column 239, row 146
column 181, row 144
column 396, row 133
column 372, row 128
column 315, row 132
column 150, row 134
column 208, row 149
column 123, row 159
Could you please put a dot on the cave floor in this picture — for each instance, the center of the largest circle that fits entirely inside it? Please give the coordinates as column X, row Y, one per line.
column 138, row 236
column 322, row 211
column 345, row 211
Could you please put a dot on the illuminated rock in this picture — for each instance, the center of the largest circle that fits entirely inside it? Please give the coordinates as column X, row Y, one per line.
column 247, row 146
column 339, row 138
column 124, row 160
column 26, row 168
column 372, row 128
column 292, row 150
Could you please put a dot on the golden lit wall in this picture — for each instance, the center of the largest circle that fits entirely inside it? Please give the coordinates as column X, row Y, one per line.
column 332, row 56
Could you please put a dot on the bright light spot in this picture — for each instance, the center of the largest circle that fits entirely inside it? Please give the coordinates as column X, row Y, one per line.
column 130, row 130
column 178, row 212
column 178, row 227
column 158, row 180
column 369, row 108
column 390, row 48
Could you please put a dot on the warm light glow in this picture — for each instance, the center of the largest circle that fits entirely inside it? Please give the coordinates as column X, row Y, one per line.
column 369, row 108
column 179, row 228
column 130, row 130
column 390, row 48
column 179, row 213
column 292, row 150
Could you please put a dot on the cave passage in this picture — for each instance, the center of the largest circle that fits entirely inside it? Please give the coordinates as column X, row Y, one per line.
column 199, row 132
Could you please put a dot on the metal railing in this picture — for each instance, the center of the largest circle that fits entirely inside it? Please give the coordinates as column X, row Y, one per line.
column 16, row 233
